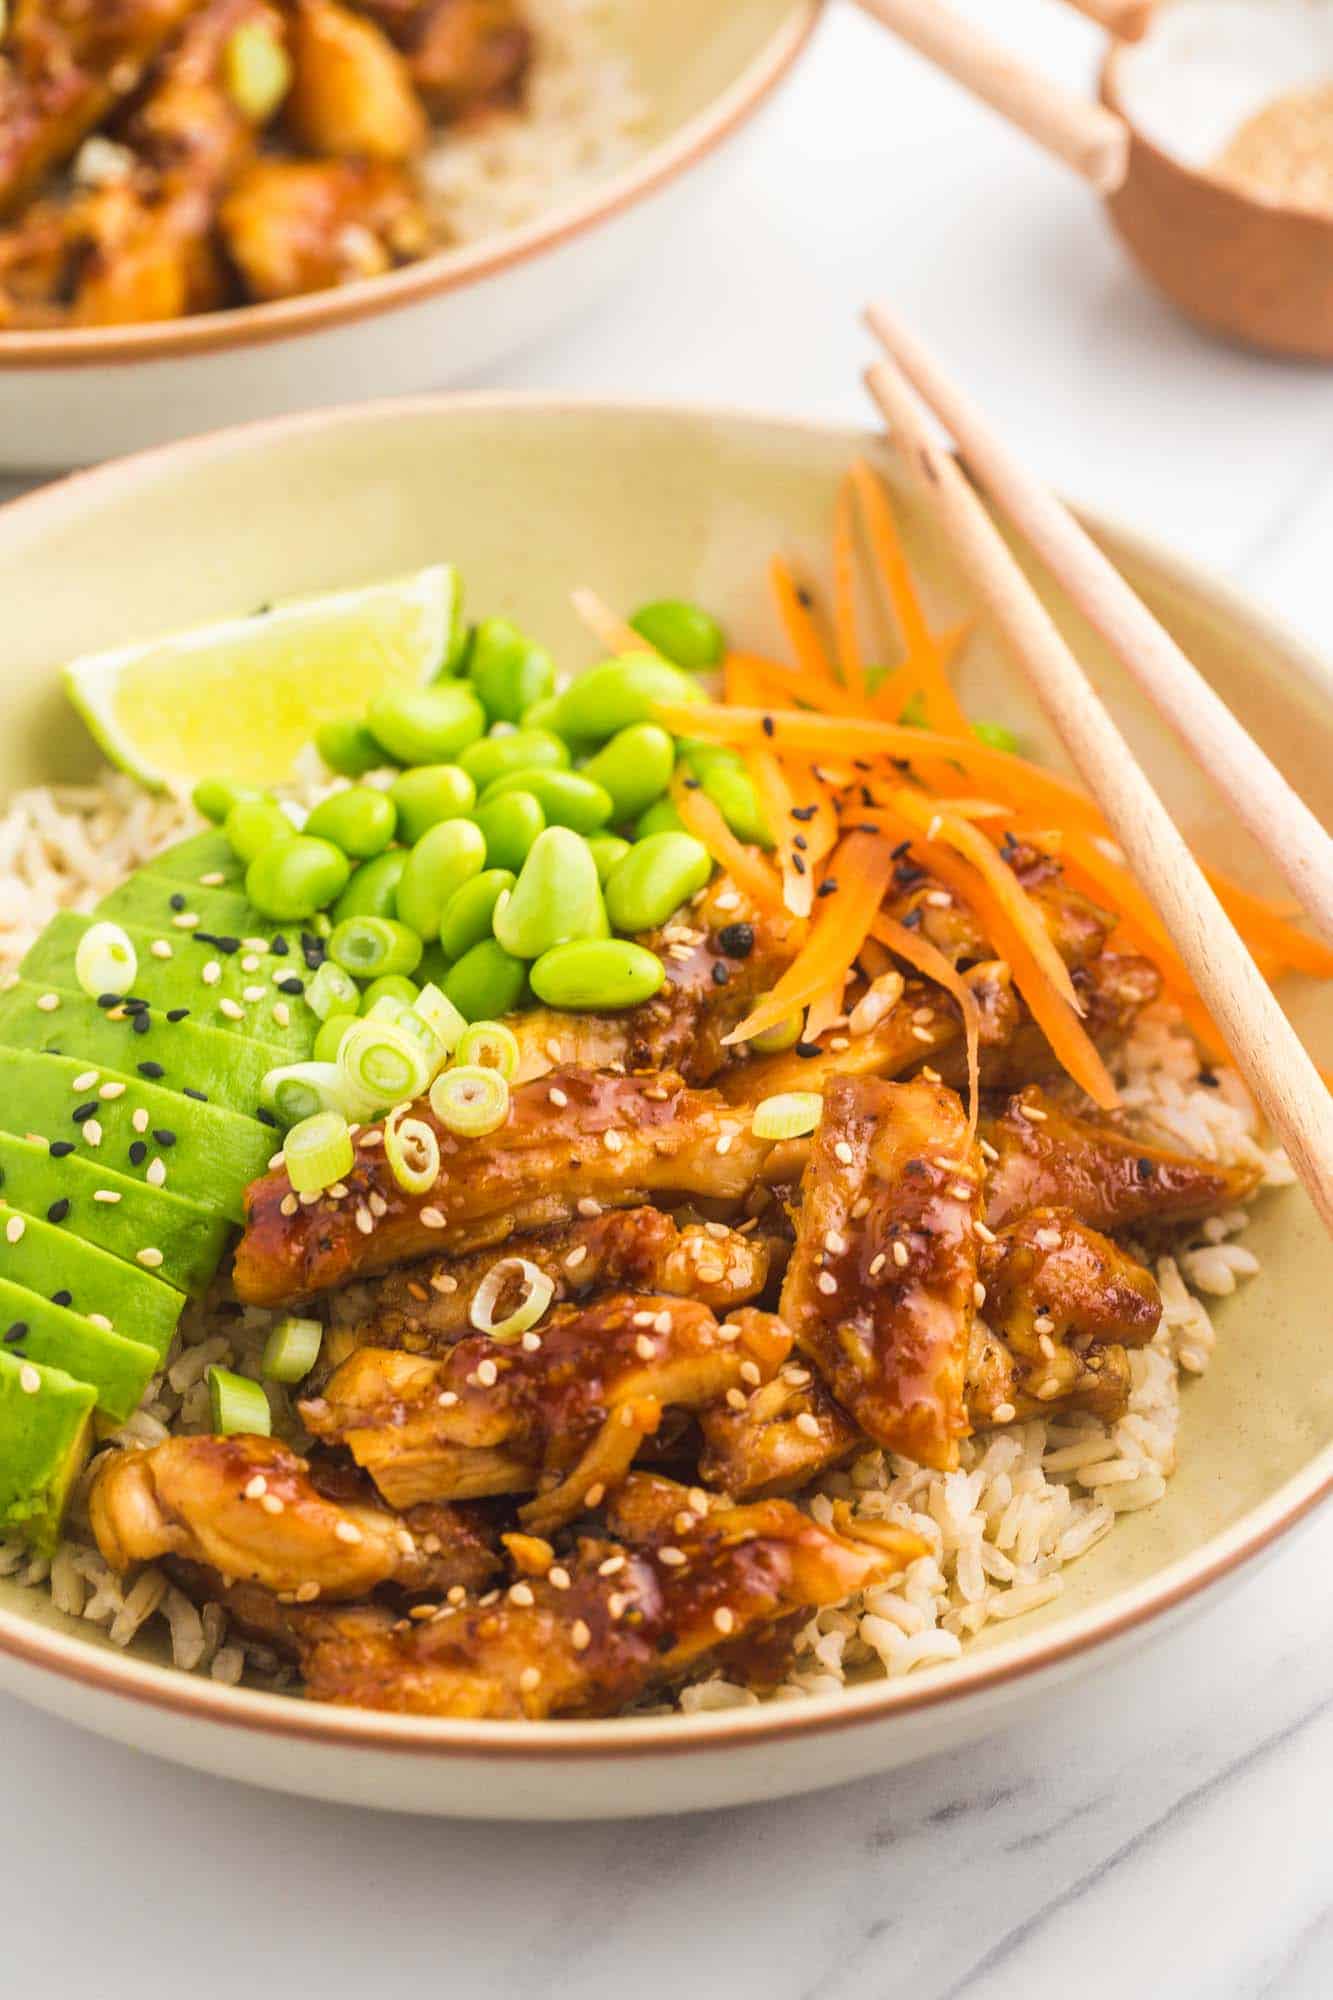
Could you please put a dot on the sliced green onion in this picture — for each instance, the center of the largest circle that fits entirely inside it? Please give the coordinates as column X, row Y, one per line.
column 438, row 1011
column 784, row 1036
column 256, row 70
column 375, row 947
column 292, row 1349
column 294, row 1091
column 408, row 1022
column 332, row 991
column 790, row 1115
column 470, row 1101
column 105, row 961
column 239, row 1406
column 413, row 1152
column 538, row 1291
column 381, row 1063
column 318, row 1152
column 490, row 1045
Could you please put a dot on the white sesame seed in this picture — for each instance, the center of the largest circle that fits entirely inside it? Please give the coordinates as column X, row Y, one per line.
column 613, row 1141
column 672, row 1557
column 431, row 1218
column 807, row 1424
column 978, row 1295
column 611, row 1566
column 14, row 1229
column 252, row 993
column 530, row 1679
column 213, row 880
column 750, row 1373
column 1005, row 1413
column 558, row 1577
column 923, row 1016
column 487, row 1374
column 521, row 1593
column 901, row 1254
column 834, row 1243
column 251, row 962
column 923, row 1034
column 100, row 1319
column 376, row 1203
column 939, row 899
column 558, row 1097
column 211, row 973
column 139, row 1120
column 456, row 1594
column 962, row 1190
column 105, row 1194
column 645, row 1348
column 735, row 1399
column 232, row 1010
column 111, row 1091
column 148, row 1257
column 580, row 1638
column 724, row 1144
column 156, row 1176
column 447, row 1400
column 595, row 1494
column 256, row 1488
column 576, row 1257
column 85, row 1080
column 161, row 949
column 1043, row 1323
column 531, row 1343
column 309, row 1197
column 827, row 1283
column 988, row 1152
column 48, row 1002
column 306, row 1593
column 92, row 1132
column 29, row 1380
column 618, row 1603
column 986, row 1235
column 271, row 1504
column 1032, row 1112
column 843, row 1153
column 288, row 1205
column 365, row 1221
column 1047, row 1346
column 588, row 1207
column 282, row 1014
column 662, row 1324
column 186, row 920
column 276, row 1160
column 642, row 1318
column 724, row 1620
column 443, row 1281
column 347, row 1531
column 877, row 1263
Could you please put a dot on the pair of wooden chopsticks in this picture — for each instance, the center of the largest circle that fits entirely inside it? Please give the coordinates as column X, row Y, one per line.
column 1262, row 1040
column 1085, row 136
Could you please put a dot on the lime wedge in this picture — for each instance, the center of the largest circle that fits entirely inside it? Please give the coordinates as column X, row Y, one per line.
column 245, row 696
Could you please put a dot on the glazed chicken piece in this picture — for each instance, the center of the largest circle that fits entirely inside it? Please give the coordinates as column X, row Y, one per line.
column 251, row 1509
column 1113, row 991
column 1078, row 927
column 1042, row 1156
column 574, row 1142
column 464, row 54
column 786, row 1434
column 429, row 1305
column 65, row 65
column 561, row 1412
column 296, row 226
column 351, row 95
column 616, row 1624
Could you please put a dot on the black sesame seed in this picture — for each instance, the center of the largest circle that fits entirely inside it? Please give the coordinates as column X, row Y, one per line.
column 138, row 1153
column 804, row 813
column 798, row 864
column 150, row 1069
column 105, row 1000
column 309, row 942
column 912, row 921
column 178, row 1013
column 903, row 847
column 280, row 947
column 828, row 887
column 177, row 901
column 58, row 1210
column 799, row 840
column 867, row 797
column 140, row 1023
column 736, row 940
column 807, row 1049
column 692, row 784
column 197, row 1095
column 861, row 764
column 1208, row 1078
column 266, row 1117
column 133, row 1006
column 164, row 1135
column 314, row 959
column 228, row 946
column 807, row 603
column 82, row 1112
column 769, row 726
column 16, row 1332
column 666, row 1641
column 1146, row 1170
column 292, row 985
column 60, row 1147
column 720, row 974
column 62, row 1298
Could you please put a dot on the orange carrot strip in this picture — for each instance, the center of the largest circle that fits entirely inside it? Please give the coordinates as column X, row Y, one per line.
column 897, row 689
column 943, row 709
column 820, row 826
column 1259, row 920
column 798, row 623
column 844, row 592
column 933, row 965
column 863, row 866
column 824, row 1010
column 746, row 865
column 775, row 800
column 785, row 685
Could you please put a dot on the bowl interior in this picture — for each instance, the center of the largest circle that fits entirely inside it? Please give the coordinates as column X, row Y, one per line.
column 531, row 499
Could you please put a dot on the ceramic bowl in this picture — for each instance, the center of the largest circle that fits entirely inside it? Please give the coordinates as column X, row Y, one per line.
column 539, row 497
column 77, row 398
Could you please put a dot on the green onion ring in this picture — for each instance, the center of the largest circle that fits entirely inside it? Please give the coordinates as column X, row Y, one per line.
column 540, row 1290
column 239, row 1406
column 413, row 1152
column 318, row 1152
column 490, row 1045
column 470, row 1101
column 792, row 1114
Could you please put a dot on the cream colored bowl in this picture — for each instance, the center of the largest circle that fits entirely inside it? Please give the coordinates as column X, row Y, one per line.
column 703, row 71
column 531, row 498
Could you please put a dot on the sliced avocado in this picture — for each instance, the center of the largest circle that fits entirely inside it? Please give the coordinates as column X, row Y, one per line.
column 35, row 1329
column 178, row 981
column 45, row 1432
column 190, row 1238
column 50, row 1258
column 210, row 1154
column 199, row 861
column 166, row 906
column 178, row 1053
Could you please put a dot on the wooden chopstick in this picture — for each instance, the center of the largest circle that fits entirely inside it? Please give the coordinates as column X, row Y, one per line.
column 1086, row 136
column 1259, row 1035
column 1256, row 791
column 1127, row 20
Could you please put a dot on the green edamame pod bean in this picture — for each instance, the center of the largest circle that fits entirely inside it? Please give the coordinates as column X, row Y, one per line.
column 254, row 824
column 291, row 879
column 542, row 714
column 370, row 946
column 508, row 672
column 724, row 779
column 597, row 975
column 606, row 850
column 428, row 795
column 609, row 698
column 360, row 820
column 567, row 798
column 348, row 748
column 520, row 750
column 215, row 797
column 442, row 860
column 486, row 983
column 661, row 818
column 509, row 826
column 686, row 635
column 428, row 725
column 557, row 897
column 395, row 988
column 635, row 767
column 467, row 914
column 655, row 878
column 434, row 964
column 329, row 1039
column 373, row 890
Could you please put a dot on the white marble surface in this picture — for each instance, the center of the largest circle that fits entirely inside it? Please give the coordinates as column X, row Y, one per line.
column 1166, row 1830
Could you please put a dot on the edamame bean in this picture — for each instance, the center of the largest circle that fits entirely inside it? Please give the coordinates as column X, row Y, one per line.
column 291, row 879
column 542, row 714
column 609, row 698
column 254, row 824
column 655, row 878
column 442, row 860
column 567, row 798
column 661, row 818
column 634, row 767
column 348, row 748
column 993, row 734
column 368, row 947
column 486, row 983
column 329, row 1039
column 686, row 635
column 597, row 976
column 724, row 779
column 606, row 850
column 428, row 725
column 467, row 914
column 520, row 750
column 557, row 897
column 360, row 820
column 395, row 988
column 215, row 797
column 508, row 672
column 429, row 795
column 509, row 826
column 373, row 890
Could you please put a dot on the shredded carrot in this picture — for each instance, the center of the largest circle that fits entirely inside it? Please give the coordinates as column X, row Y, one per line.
column 897, row 689
column 943, row 710
column 812, row 807
column 746, row 865
column 798, row 623
column 862, row 864
column 844, row 592
column 933, row 965
column 825, row 1009
column 606, row 628
column 775, row 800
column 785, row 686
column 1259, row 921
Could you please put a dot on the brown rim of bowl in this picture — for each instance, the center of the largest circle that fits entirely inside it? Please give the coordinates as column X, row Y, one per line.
column 108, row 1672
column 444, row 271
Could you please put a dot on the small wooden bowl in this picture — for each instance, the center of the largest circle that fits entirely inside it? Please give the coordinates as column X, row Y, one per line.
column 1254, row 270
